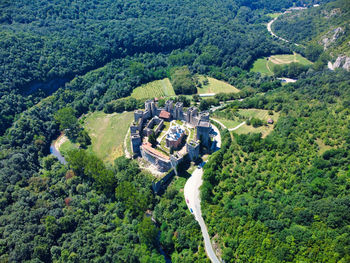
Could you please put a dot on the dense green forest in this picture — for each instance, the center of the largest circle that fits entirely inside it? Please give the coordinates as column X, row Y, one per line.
column 57, row 40
column 96, row 52
column 285, row 198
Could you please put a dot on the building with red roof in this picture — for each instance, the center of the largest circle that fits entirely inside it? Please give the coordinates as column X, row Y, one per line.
column 164, row 115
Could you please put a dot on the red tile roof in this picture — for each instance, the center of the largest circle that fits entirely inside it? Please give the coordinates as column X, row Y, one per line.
column 148, row 146
column 164, row 114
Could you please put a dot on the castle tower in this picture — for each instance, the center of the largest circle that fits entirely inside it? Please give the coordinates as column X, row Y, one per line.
column 192, row 148
column 203, row 130
column 178, row 111
column 169, row 106
column 135, row 144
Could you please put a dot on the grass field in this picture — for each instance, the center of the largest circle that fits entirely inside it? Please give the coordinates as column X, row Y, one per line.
column 157, row 88
column 107, row 132
column 260, row 114
column 215, row 86
column 257, row 113
column 66, row 147
column 163, row 88
column 265, row 65
column 274, row 15
column 228, row 123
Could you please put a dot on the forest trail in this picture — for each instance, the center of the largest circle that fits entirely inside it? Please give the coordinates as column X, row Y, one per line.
column 238, row 126
column 127, row 154
column 268, row 67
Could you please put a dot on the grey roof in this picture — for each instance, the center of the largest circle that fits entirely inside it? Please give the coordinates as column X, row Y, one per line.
column 204, row 124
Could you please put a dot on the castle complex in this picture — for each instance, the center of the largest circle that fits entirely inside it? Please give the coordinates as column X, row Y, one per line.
column 151, row 120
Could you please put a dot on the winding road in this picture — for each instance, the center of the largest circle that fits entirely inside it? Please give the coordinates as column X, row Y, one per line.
column 192, row 196
column 269, row 25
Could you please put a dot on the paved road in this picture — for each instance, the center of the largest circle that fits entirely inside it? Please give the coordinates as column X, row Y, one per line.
column 273, row 34
column 192, row 197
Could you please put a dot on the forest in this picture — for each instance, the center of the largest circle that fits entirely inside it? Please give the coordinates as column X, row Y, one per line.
column 285, row 198
column 283, row 187
column 59, row 40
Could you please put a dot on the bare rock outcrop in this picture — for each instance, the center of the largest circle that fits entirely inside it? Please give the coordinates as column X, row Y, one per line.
column 341, row 62
column 331, row 37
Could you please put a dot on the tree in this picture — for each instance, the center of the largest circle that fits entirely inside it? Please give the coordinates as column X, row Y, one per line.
column 84, row 139
column 148, row 231
column 182, row 81
column 152, row 138
column 133, row 199
column 67, row 121
column 204, row 105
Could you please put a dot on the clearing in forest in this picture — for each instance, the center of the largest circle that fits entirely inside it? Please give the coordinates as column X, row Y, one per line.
column 163, row 88
column 265, row 65
column 259, row 114
column 157, row 88
column 214, row 86
column 245, row 114
column 107, row 132
column 274, row 15
column 229, row 124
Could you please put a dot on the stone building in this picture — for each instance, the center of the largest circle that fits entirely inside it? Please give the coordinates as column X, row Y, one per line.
column 192, row 148
column 136, row 142
column 154, row 125
column 203, row 133
column 178, row 111
column 157, row 158
column 174, row 137
column 152, row 118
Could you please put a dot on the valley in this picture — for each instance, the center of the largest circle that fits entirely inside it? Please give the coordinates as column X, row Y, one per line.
column 174, row 131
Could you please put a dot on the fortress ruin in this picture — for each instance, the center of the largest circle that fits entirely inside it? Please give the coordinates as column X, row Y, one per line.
column 151, row 121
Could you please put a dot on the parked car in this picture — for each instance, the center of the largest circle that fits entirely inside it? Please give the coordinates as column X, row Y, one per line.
column 191, row 210
column 187, row 201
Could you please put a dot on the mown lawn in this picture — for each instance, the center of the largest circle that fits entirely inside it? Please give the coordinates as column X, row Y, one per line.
column 107, row 132
column 215, row 86
column 286, row 59
column 157, row 88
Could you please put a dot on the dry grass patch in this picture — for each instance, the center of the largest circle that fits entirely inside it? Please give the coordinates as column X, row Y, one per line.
column 107, row 132
column 157, row 88
column 215, row 86
column 322, row 146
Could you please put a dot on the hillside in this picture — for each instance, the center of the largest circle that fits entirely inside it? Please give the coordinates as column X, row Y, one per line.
column 74, row 68
column 321, row 28
column 285, row 198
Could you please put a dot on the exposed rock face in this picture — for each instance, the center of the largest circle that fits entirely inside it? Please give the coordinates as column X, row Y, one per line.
column 331, row 37
column 341, row 62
